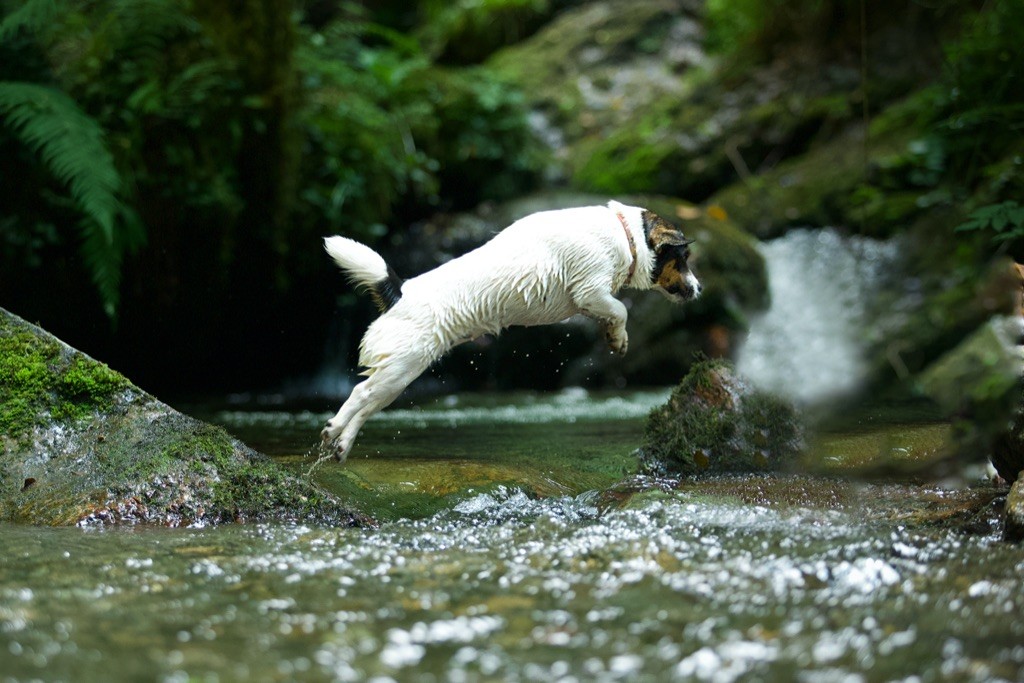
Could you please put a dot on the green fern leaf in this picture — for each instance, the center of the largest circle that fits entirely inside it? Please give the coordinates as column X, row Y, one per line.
column 70, row 144
column 32, row 16
column 103, row 259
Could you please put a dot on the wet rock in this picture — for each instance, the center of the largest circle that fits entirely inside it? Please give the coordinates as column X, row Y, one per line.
column 1008, row 450
column 714, row 423
column 627, row 98
column 1014, row 529
column 664, row 337
column 978, row 384
column 595, row 67
column 824, row 186
column 81, row 444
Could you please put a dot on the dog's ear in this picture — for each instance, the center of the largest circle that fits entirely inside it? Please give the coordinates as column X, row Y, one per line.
column 661, row 234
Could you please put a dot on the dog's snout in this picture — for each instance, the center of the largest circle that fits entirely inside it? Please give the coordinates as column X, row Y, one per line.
column 693, row 284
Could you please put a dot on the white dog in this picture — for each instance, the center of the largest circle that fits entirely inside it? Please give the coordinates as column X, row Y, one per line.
column 542, row 269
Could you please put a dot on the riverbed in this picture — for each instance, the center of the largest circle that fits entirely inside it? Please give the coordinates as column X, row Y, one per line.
column 514, row 544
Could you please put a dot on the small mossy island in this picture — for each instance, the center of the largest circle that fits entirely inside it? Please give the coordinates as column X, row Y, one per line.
column 714, row 423
column 81, row 444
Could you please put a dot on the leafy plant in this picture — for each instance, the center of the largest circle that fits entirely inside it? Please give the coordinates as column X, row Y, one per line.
column 71, row 145
column 1006, row 219
column 385, row 127
column 983, row 117
column 468, row 31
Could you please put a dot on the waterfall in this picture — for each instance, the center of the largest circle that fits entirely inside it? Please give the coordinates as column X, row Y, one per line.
column 810, row 345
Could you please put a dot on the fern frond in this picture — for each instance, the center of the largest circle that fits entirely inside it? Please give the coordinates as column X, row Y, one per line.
column 33, row 16
column 70, row 144
column 103, row 261
column 142, row 30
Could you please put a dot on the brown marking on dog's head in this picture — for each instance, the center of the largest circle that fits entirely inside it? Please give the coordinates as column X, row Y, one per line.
column 671, row 248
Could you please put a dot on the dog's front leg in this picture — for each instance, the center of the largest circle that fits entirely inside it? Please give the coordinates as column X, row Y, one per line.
column 611, row 314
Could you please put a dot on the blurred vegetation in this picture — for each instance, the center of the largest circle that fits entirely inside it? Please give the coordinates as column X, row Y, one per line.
column 174, row 163
column 124, row 118
column 965, row 145
column 186, row 157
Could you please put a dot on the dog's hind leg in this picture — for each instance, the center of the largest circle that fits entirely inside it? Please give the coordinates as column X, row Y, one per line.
column 367, row 398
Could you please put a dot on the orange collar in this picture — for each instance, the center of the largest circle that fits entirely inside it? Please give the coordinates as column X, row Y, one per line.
column 632, row 246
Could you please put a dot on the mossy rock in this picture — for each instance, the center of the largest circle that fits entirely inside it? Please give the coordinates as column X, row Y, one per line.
column 715, row 423
column 839, row 183
column 596, row 67
column 80, row 444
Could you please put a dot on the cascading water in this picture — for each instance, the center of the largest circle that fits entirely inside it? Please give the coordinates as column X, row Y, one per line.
column 810, row 345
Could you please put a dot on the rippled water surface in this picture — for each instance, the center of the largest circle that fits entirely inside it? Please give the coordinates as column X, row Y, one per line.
column 541, row 568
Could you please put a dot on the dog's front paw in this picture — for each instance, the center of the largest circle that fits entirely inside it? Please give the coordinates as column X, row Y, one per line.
column 330, row 432
column 618, row 341
column 331, row 446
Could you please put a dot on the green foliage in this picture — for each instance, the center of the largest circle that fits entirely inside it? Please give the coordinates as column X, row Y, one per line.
column 220, row 126
column 71, row 145
column 1005, row 219
column 30, row 16
column 69, row 142
column 752, row 28
column 468, row 31
column 360, row 154
column 383, row 124
column 985, row 70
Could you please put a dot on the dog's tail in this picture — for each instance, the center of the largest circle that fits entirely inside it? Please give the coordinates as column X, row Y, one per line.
column 366, row 268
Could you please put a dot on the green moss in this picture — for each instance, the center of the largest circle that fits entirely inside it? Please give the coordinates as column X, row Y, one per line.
column 40, row 378
column 117, row 455
column 713, row 423
column 629, row 160
column 25, row 377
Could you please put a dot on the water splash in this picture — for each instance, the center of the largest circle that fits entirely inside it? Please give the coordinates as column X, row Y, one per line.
column 810, row 345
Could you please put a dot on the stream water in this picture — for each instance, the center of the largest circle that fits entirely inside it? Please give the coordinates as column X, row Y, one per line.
column 507, row 552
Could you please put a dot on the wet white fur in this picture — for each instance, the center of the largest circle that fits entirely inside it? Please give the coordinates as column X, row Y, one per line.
column 542, row 269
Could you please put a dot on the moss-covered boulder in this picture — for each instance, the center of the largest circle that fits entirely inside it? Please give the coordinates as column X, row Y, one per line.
column 80, row 444
column 629, row 100
column 977, row 384
column 594, row 67
column 715, row 423
column 837, row 183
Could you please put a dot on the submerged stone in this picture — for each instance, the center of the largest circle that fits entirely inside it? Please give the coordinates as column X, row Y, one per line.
column 714, row 423
column 79, row 443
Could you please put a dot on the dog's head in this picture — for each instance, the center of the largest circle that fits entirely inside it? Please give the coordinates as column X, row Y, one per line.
column 671, row 276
